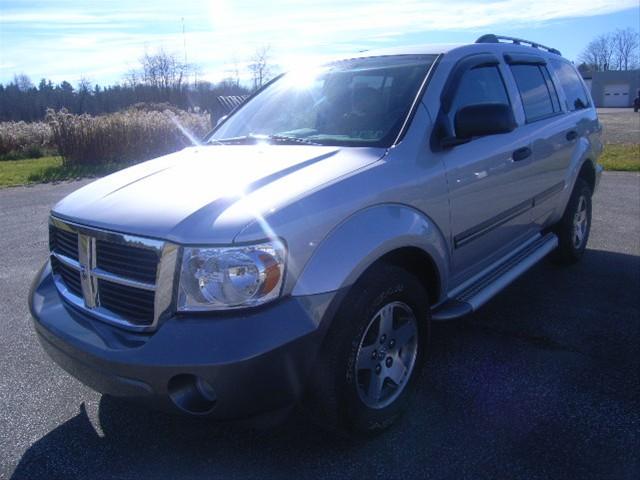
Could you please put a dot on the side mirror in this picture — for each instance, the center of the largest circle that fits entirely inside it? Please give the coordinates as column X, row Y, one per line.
column 484, row 119
column 221, row 119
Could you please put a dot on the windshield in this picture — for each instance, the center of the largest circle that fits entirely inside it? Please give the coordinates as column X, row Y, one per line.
column 358, row 102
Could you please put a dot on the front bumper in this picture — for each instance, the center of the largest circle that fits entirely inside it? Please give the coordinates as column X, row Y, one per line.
column 225, row 366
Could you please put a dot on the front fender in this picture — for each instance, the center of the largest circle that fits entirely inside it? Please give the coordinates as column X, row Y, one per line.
column 355, row 244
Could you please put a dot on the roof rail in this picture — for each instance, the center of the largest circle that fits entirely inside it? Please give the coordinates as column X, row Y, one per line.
column 491, row 38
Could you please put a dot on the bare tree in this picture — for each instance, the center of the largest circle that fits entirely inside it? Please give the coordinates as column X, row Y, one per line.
column 131, row 78
column 590, row 56
column 259, row 66
column 625, row 47
column 612, row 51
column 22, row 81
column 84, row 85
column 84, row 92
column 599, row 53
column 234, row 71
column 163, row 70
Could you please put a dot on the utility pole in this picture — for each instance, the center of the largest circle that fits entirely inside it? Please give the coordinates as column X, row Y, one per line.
column 184, row 41
column 184, row 47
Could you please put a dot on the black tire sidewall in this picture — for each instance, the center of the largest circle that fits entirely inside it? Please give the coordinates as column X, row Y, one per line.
column 384, row 285
column 567, row 252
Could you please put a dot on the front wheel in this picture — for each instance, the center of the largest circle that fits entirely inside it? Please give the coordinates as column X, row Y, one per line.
column 574, row 227
column 372, row 354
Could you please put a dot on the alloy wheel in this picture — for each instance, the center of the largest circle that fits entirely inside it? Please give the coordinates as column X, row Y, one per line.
column 580, row 223
column 386, row 355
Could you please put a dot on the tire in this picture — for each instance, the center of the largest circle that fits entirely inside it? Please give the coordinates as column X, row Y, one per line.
column 380, row 335
column 574, row 227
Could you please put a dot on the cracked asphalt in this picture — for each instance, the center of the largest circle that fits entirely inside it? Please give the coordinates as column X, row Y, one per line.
column 543, row 382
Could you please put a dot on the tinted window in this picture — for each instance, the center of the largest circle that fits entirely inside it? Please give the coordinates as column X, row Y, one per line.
column 571, row 85
column 357, row 102
column 479, row 85
column 552, row 89
column 534, row 91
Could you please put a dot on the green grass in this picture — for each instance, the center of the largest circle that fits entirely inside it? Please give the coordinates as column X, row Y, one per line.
column 47, row 169
column 622, row 158
column 29, row 153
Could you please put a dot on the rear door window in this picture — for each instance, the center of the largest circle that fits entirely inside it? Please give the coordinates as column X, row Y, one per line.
column 535, row 92
column 577, row 97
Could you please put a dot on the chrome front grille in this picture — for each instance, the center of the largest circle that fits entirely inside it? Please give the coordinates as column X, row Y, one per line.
column 121, row 279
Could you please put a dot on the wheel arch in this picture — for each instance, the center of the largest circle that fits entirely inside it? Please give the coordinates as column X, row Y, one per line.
column 417, row 262
column 587, row 172
column 390, row 233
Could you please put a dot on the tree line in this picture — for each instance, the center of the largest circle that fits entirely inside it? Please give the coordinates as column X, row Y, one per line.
column 162, row 78
column 612, row 51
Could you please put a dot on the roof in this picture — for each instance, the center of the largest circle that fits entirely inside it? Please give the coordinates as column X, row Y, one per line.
column 486, row 43
column 425, row 49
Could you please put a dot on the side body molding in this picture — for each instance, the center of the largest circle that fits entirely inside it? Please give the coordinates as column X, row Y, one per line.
column 363, row 238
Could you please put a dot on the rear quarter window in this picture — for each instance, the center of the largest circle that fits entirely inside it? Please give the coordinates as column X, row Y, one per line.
column 574, row 91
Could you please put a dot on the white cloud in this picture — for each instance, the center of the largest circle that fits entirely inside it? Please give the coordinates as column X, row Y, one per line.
column 91, row 38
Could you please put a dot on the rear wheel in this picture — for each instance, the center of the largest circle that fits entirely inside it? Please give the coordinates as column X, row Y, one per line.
column 372, row 354
column 574, row 227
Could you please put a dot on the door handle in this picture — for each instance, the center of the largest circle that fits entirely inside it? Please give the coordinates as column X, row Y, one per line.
column 572, row 135
column 521, row 154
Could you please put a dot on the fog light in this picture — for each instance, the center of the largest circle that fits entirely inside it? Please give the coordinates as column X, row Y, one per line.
column 192, row 394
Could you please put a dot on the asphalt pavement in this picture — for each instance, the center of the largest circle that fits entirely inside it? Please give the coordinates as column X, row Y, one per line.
column 543, row 382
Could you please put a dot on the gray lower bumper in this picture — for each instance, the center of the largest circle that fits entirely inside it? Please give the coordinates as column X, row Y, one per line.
column 226, row 366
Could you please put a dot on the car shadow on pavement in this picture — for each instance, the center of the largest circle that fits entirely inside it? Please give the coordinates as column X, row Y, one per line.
column 542, row 382
column 129, row 441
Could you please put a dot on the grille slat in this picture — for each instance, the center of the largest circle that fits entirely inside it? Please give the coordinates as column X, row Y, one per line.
column 70, row 276
column 131, row 262
column 131, row 308
column 63, row 242
column 150, row 260
column 135, row 305
column 142, row 254
column 110, row 264
column 128, row 310
column 129, row 294
column 128, row 260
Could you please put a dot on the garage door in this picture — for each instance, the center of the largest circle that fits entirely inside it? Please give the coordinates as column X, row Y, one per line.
column 616, row 95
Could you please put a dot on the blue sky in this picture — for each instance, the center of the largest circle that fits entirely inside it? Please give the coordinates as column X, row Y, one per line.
column 101, row 40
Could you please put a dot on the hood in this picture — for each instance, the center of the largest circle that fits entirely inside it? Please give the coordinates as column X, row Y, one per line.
column 207, row 194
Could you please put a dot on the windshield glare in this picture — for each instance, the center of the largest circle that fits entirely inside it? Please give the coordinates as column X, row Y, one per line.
column 359, row 102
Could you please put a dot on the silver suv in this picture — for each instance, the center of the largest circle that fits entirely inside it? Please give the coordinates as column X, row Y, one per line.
column 299, row 254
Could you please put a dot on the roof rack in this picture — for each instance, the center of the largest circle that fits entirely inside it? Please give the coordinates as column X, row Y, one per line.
column 491, row 38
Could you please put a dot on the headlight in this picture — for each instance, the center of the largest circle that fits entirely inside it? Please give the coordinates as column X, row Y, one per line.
column 230, row 277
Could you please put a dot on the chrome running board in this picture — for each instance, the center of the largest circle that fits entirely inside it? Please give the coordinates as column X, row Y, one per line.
column 480, row 289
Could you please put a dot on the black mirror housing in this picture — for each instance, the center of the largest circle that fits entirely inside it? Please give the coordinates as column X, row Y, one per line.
column 484, row 119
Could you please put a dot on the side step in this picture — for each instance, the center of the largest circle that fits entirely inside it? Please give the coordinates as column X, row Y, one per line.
column 479, row 290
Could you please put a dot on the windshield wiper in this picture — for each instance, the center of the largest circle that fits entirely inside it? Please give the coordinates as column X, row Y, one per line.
column 285, row 138
column 253, row 138
column 231, row 140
